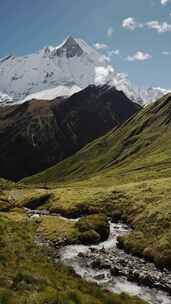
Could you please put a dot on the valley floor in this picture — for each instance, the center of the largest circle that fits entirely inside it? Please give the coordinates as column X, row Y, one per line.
column 144, row 205
column 29, row 275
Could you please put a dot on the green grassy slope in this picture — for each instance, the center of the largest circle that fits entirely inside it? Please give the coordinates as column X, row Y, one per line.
column 140, row 149
column 28, row 273
column 29, row 276
column 126, row 172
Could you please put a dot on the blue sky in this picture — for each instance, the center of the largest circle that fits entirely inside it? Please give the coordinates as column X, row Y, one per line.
column 137, row 31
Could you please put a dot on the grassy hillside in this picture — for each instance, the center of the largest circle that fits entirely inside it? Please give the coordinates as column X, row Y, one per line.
column 126, row 174
column 140, row 149
column 28, row 274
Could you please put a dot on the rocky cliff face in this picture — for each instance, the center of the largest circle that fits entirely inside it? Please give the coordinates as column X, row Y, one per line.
column 70, row 49
column 40, row 133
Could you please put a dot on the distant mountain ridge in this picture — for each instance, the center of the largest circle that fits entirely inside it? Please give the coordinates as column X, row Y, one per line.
column 72, row 64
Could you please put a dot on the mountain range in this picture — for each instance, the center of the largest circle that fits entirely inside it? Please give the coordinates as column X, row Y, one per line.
column 61, row 71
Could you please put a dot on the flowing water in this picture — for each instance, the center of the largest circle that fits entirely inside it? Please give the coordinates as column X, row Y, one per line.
column 80, row 257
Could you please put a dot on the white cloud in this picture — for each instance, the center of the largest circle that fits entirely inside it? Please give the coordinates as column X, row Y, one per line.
column 139, row 56
column 103, row 74
column 114, row 52
column 109, row 32
column 100, row 46
column 164, row 2
column 160, row 27
column 131, row 24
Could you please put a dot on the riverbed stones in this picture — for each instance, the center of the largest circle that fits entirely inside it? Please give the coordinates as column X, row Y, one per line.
column 115, row 271
column 135, row 269
column 99, row 277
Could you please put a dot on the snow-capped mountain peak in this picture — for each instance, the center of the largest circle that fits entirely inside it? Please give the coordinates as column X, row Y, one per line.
column 72, row 64
column 69, row 48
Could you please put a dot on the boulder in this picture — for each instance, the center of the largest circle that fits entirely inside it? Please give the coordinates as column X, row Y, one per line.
column 89, row 237
column 97, row 223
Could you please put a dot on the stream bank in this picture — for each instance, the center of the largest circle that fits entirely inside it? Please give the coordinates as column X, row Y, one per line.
column 112, row 268
column 117, row 271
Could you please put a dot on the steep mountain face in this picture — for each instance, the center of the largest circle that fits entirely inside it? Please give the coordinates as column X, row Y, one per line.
column 138, row 150
column 39, row 133
column 69, row 65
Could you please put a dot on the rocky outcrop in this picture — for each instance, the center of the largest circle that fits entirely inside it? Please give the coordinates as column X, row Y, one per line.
column 93, row 229
column 38, row 134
